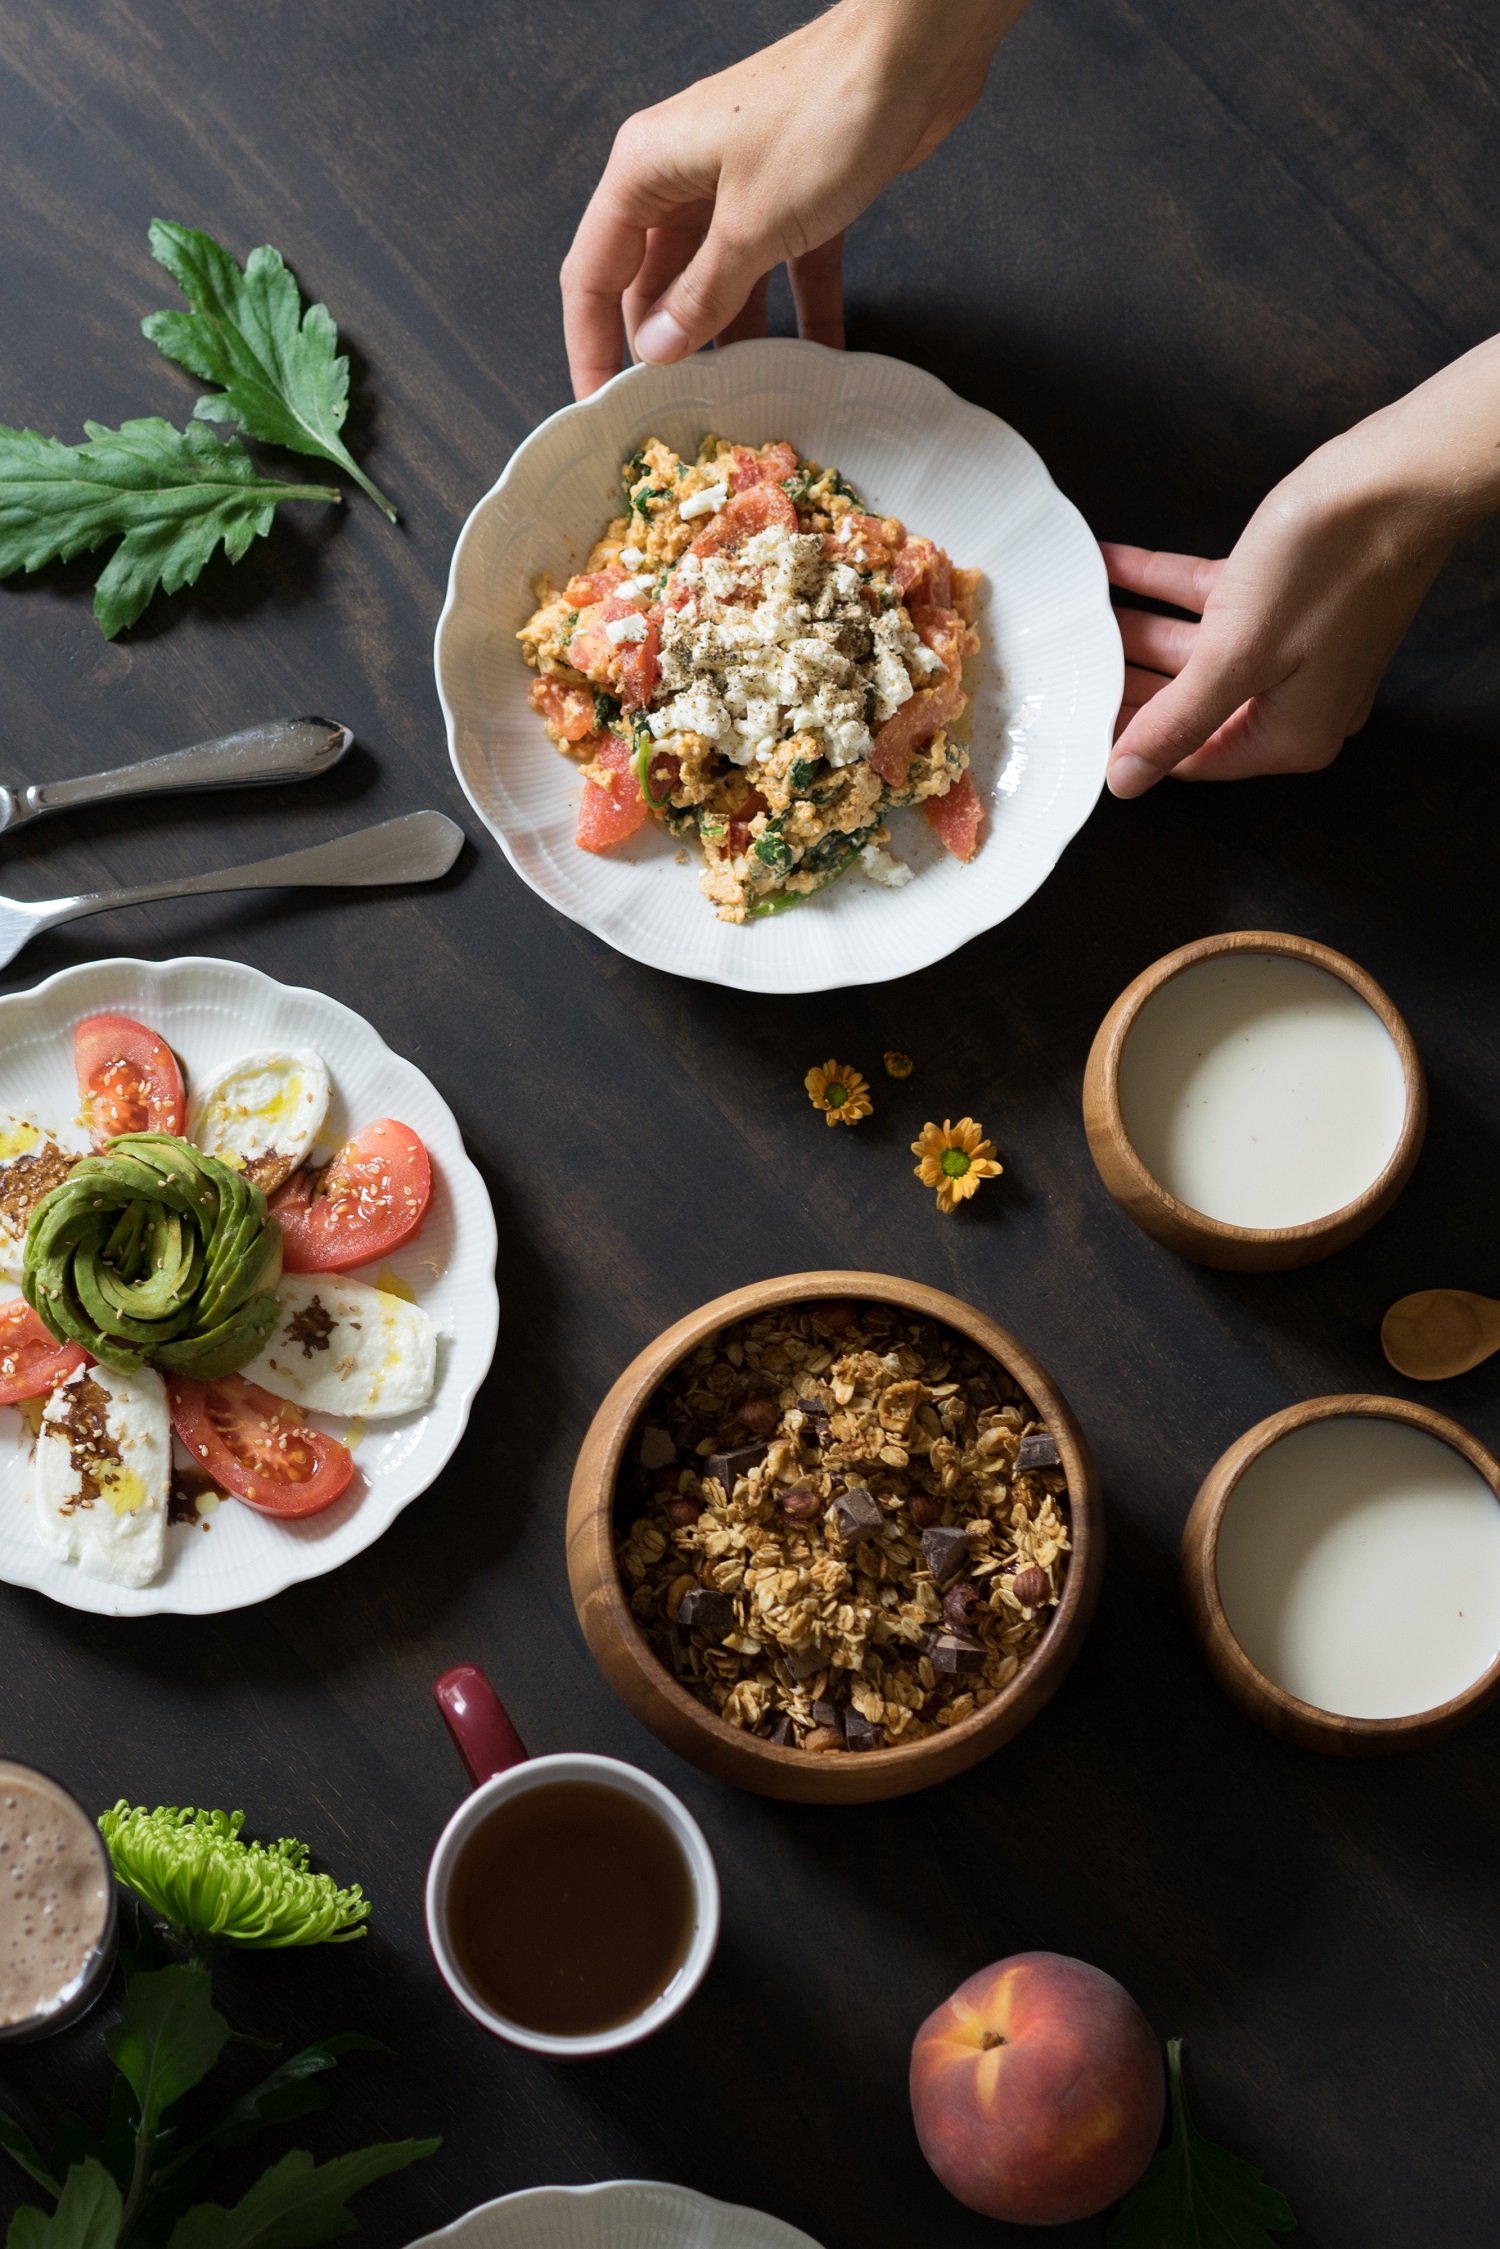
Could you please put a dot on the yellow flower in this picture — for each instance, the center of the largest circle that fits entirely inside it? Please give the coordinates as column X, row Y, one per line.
column 840, row 1092
column 897, row 1065
column 954, row 1160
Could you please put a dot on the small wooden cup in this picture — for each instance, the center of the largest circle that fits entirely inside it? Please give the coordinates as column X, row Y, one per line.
column 1213, row 1241
column 1243, row 1681
column 676, row 1717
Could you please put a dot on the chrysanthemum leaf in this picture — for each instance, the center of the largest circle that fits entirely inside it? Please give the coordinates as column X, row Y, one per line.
column 192, row 1869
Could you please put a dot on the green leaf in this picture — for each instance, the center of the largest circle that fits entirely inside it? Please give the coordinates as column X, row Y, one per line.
column 289, row 2091
column 17, row 2142
column 1197, row 2195
column 170, row 496
column 167, row 2039
column 284, row 379
column 87, row 2215
column 297, row 2203
column 114, row 2147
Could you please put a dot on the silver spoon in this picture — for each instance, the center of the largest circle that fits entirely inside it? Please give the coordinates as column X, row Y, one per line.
column 416, row 848
column 280, row 749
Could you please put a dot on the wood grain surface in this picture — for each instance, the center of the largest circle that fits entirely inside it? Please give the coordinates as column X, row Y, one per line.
column 1180, row 242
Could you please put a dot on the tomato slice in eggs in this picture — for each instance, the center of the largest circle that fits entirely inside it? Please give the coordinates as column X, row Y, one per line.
column 32, row 1361
column 367, row 1202
column 254, row 1446
column 128, row 1079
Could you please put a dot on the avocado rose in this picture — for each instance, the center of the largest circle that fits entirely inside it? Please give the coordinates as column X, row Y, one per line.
column 153, row 1253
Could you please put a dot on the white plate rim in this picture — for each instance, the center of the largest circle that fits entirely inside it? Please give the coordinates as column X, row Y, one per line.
column 928, row 955
column 304, row 1561
column 786, row 2236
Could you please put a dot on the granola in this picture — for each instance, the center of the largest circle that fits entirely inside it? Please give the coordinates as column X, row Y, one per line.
column 845, row 1527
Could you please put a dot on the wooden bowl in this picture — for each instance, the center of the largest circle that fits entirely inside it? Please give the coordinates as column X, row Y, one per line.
column 676, row 1717
column 1242, row 1680
column 1213, row 1241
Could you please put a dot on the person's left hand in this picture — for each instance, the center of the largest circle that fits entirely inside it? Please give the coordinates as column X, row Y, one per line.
column 1295, row 630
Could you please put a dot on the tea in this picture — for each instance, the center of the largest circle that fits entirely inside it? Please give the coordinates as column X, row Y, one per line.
column 55, row 1894
column 570, row 1908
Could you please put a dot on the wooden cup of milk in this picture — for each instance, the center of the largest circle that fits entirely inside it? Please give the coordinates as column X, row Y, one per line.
column 1254, row 1101
column 1341, row 1568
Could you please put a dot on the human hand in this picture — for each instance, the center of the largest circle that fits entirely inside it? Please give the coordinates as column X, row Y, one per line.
column 766, row 163
column 1296, row 627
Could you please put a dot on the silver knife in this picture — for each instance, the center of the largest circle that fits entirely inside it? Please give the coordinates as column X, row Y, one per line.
column 282, row 749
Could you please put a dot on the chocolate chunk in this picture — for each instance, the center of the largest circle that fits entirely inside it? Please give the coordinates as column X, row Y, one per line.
column 804, row 1662
column 1039, row 1450
column 781, row 1732
column 980, row 1391
column 860, row 1734
column 705, row 1611
column 814, row 1409
column 955, row 1651
column 945, row 1552
column 825, row 1714
column 657, row 1448
column 727, row 1467
column 857, row 1512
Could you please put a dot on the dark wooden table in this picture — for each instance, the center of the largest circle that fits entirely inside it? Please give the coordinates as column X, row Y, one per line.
column 1180, row 242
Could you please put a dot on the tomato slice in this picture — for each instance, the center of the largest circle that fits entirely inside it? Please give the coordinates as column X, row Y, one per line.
column 956, row 819
column 128, row 1079
column 32, row 1361
column 367, row 1202
column 739, row 822
column 758, row 508
column 640, row 664
column 253, row 1445
column 610, row 815
column 917, row 720
column 569, row 709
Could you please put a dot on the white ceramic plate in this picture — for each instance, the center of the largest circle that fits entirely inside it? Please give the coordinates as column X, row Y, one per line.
column 209, row 1011
column 619, row 2214
column 1050, row 681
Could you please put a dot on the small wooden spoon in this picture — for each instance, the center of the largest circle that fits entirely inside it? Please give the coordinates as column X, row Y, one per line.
column 1439, row 1332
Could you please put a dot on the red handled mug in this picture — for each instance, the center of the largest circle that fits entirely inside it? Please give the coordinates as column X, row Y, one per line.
column 501, row 1770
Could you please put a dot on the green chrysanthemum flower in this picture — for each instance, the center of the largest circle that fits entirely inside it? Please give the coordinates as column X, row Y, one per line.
column 191, row 1869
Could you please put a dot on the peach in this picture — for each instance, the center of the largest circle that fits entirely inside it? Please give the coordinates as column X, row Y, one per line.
column 1037, row 2090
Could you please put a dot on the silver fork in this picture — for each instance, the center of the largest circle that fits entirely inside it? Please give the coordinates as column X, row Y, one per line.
column 416, row 848
column 280, row 749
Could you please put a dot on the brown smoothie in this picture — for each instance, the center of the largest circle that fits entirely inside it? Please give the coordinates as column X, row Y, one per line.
column 55, row 1895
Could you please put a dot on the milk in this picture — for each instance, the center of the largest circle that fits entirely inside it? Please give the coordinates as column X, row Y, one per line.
column 1261, row 1091
column 1359, row 1567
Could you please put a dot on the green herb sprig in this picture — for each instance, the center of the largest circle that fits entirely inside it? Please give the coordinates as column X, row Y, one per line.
column 170, row 496
column 1196, row 2195
column 192, row 1870
column 283, row 379
column 136, row 2184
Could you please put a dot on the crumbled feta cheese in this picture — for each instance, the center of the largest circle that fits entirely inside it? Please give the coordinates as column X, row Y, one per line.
column 877, row 863
column 631, row 558
column 705, row 502
column 926, row 659
column 626, row 628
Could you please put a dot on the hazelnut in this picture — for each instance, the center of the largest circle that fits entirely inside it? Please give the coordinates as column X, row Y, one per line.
column 835, row 1315
column 924, row 1509
column 823, row 1738
column 959, row 1604
column 1030, row 1586
column 682, row 1510
column 799, row 1504
column 759, row 1412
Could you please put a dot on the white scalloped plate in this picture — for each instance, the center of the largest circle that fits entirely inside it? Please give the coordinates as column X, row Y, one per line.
column 209, row 1011
column 618, row 2214
column 1043, row 713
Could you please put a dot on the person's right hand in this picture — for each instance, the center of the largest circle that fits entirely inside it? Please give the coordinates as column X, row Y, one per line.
column 767, row 162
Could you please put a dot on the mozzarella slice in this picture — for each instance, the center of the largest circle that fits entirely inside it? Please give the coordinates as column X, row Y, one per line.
column 342, row 1347
column 32, row 1163
column 261, row 1115
column 102, row 1471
